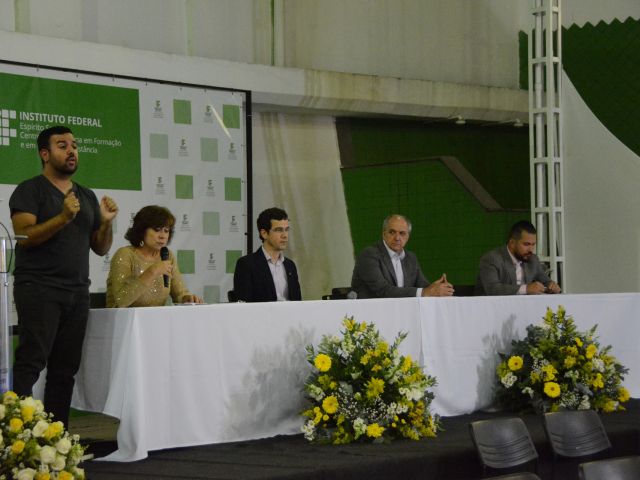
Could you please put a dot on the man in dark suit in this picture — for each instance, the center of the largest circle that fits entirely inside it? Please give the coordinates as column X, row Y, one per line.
column 386, row 269
column 514, row 268
column 266, row 275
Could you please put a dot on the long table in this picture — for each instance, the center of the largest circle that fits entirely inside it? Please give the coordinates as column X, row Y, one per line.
column 191, row 375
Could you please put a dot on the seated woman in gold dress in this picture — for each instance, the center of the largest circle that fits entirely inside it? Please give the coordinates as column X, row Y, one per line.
column 136, row 275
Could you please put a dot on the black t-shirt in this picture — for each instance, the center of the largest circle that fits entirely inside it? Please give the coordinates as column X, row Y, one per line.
column 63, row 260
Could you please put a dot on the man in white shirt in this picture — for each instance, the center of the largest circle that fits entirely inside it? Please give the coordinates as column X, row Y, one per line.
column 266, row 275
column 514, row 268
column 387, row 270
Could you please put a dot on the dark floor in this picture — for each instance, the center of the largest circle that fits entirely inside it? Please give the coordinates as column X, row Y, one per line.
column 450, row 456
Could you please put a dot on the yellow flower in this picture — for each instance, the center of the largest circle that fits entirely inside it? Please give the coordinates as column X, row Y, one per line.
column 515, row 363
column 375, row 387
column 561, row 311
column 406, row 363
column 330, row 404
column 325, row 417
column 349, row 323
column 535, row 377
column 591, row 351
column 27, row 413
column 9, row 397
column 551, row 389
column 322, row 362
column 43, row 476
column 598, row 381
column 623, row 394
column 609, row 406
column 548, row 316
column 383, row 347
column 55, row 429
column 365, row 358
column 15, row 425
column 569, row 362
column 578, row 341
column 17, row 447
column 363, row 326
column 549, row 372
column 65, row 476
column 374, row 430
column 376, row 368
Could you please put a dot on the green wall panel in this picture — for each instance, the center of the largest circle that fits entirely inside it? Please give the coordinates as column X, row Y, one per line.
column 450, row 229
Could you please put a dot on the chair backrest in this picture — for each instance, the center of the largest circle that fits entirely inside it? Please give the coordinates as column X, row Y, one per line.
column 231, row 296
column 622, row 468
column 464, row 290
column 575, row 433
column 338, row 293
column 516, row 476
column 503, row 442
column 97, row 300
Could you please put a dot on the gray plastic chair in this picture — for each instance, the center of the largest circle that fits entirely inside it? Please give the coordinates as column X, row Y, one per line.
column 622, row 468
column 576, row 433
column 503, row 443
column 516, row 476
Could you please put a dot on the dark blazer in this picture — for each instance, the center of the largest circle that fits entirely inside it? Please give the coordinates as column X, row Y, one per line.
column 374, row 276
column 497, row 273
column 252, row 280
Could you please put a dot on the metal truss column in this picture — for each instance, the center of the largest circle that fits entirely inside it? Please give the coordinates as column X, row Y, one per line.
column 545, row 135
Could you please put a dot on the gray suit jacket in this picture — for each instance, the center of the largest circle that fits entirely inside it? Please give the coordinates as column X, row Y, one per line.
column 374, row 276
column 497, row 274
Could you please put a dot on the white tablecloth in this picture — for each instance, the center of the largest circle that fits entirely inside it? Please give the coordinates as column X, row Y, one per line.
column 192, row 375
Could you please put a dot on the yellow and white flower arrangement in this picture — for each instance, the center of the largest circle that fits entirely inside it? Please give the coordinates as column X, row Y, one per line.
column 33, row 446
column 361, row 388
column 558, row 367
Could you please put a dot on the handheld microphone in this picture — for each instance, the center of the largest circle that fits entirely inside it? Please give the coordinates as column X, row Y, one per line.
column 164, row 255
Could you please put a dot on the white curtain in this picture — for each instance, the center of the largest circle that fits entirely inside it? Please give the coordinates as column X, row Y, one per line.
column 296, row 166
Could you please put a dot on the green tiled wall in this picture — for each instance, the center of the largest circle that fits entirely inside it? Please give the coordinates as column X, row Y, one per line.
column 450, row 229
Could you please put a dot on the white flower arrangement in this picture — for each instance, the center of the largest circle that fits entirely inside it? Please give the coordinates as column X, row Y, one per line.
column 32, row 446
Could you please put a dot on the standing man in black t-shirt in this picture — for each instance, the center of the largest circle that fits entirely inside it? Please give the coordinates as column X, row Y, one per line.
column 62, row 220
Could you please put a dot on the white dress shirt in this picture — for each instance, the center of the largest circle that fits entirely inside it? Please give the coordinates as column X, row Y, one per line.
column 279, row 275
column 396, row 261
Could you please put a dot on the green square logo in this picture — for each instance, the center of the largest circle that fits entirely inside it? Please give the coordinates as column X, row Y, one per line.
column 158, row 145
column 187, row 261
column 231, row 116
column 232, row 257
column 184, row 187
column 182, row 111
column 209, row 149
column 232, row 189
column 210, row 223
column 211, row 293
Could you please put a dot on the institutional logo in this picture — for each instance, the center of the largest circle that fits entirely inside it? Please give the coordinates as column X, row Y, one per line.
column 157, row 110
column 106, row 262
column 211, row 263
column 211, row 188
column 232, row 151
column 185, row 224
column 6, row 132
column 160, row 187
column 233, row 225
column 183, row 149
column 208, row 114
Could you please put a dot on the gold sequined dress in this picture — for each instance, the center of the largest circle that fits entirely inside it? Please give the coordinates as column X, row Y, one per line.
column 124, row 288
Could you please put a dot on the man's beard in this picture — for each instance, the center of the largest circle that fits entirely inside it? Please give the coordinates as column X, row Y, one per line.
column 66, row 170
column 522, row 258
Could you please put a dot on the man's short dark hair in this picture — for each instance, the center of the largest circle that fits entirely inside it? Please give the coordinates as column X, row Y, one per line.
column 265, row 217
column 522, row 226
column 44, row 138
column 151, row 216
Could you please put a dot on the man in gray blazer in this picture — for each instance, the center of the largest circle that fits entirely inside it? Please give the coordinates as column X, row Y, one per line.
column 386, row 269
column 514, row 268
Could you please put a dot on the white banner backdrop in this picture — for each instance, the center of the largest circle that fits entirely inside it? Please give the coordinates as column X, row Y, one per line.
column 192, row 161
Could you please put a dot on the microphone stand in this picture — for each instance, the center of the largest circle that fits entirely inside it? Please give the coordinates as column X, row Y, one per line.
column 6, row 347
column 5, row 337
